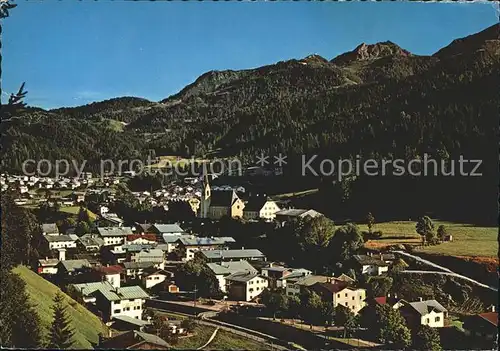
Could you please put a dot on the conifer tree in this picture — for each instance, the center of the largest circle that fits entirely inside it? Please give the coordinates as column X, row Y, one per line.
column 61, row 332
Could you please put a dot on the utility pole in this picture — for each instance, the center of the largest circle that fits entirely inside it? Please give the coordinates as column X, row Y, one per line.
column 194, row 301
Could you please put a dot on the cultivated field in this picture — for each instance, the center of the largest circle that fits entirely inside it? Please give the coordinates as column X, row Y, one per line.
column 468, row 240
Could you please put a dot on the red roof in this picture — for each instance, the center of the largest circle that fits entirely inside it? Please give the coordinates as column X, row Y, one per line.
column 381, row 300
column 491, row 317
column 116, row 269
column 150, row 237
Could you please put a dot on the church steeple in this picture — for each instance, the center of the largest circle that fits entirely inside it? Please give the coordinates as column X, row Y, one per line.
column 205, row 197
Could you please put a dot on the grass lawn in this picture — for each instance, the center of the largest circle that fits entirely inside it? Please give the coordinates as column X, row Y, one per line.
column 74, row 211
column 86, row 324
column 225, row 340
column 468, row 240
column 201, row 335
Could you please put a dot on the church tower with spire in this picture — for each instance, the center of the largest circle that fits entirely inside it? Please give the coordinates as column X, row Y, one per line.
column 205, row 197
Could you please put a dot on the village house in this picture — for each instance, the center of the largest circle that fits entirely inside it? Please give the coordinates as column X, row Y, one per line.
column 135, row 270
column 232, row 255
column 429, row 312
column 224, row 269
column 122, row 301
column 482, row 326
column 114, row 235
column 288, row 215
column 295, row 286
column 189, row 245
column 112, row 220
column 61, row 241
column 166, row 229
column 71, row 268
column 154, row 256
column 111, row 274
column 141, row 239
column 371, row 264
column 84, row 291
column 153, row 276
column 245, row 286
column 260, row 208
column 279, row 275
column 90, row 242
column 47, row 266
column 339, row 293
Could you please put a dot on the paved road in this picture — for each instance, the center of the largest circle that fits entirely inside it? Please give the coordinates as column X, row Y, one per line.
column 444, row 270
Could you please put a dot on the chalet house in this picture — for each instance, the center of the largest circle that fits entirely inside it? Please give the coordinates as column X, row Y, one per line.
column 224, row 269
column 429, row 312
column 232, row 255
column 371, row 265
column 111, row 274
column 260, row 208
column 188, row 245
column 60, row 241
column 154, row 276
column 112, row 220
column 141, row 239
column 66, row 268
column 135, row 270
column 154, row 256
column 279, row 275
column 170, row 241
column 133, row 340
column 47, row 266
column 114, row 235
column 84, row 291
column 90, row 242
column 288, row 215
column 483, row 325
column 123, row 301
column 245, row 286
column 50, row 229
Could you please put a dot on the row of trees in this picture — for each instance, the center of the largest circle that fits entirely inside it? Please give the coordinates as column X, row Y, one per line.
column 426, row 229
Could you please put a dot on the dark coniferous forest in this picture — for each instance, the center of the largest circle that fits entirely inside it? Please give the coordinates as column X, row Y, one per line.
column 378, row 101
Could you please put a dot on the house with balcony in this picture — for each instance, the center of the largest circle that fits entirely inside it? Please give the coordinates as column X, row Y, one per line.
column 245, row 286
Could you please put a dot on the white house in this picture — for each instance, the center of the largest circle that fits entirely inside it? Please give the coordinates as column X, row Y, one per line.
column 61, row 241
column 153, row 276
column 245, row 286
column 371, row 265
column 114, row 235
column 47, row 266
column 260, row 208
column 225, row 269
column 124, row 301
column 429, row 312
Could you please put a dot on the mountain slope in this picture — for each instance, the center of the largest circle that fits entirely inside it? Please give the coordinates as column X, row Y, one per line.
column 87, row 326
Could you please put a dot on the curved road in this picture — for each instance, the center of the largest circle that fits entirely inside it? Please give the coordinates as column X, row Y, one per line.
column 444, row 270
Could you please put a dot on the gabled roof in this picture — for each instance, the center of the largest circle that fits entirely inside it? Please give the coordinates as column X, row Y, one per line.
column 72, row 265
column 298, row 212
column 172, row 238
column 227, row 268
column 131, row 320
column 137, row 265
column 149, row 237
column 256, row 203
column 425, row 307
column 115, row 269
column 50, row 228
column 232, row 254
column 203, row 241
column 381, row 300
column 49, row 262
column 132, row 338
column 90, row 240
column 61, row 238
column 88, row 288
column 490, row 317
column 114, row 231
column 333, row 287
column 168, row 228
column 242, row 277
column 122, row 293
column 312, row 279
column 223, row 198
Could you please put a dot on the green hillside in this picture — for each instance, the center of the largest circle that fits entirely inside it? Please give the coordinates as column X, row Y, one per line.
column 86, row 325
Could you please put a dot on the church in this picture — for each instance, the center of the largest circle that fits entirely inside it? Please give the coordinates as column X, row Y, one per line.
column 217, row 204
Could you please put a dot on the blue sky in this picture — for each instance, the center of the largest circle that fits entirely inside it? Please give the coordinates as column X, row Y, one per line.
column 72, row 53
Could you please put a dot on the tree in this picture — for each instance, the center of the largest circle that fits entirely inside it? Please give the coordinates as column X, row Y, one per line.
column 189, row 324
column 379, row 285
column 61, row 333
column 294, row 306
column 346, row 241
column 425, row 228
column 389, row 325
column 276, row 302
column 442, row 232
column 82, row 228
column 19, row 321
column 83, row 215
column 196, row 275
column 370, row 221
column 346, row 318
column 427, row 338
column 311, row 305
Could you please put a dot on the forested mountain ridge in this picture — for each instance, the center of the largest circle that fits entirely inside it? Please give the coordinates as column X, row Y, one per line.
column 378, row 100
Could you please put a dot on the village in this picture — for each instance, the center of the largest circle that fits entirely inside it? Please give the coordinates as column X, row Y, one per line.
column 123, row 270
